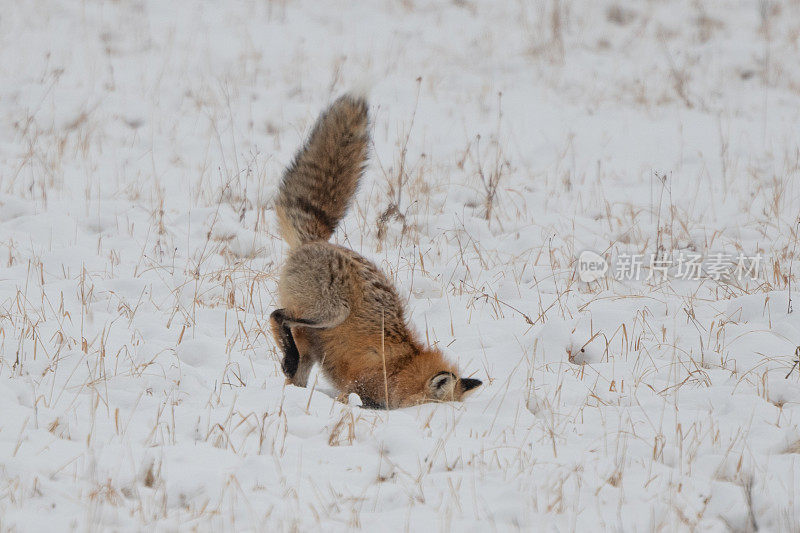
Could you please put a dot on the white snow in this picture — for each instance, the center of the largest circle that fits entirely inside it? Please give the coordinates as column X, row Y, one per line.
column 140, row 146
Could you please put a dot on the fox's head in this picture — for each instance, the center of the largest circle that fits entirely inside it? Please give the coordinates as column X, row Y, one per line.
column 446, row 386
column 429, row 377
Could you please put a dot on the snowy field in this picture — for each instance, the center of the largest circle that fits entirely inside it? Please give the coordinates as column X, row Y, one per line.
column 140, row 147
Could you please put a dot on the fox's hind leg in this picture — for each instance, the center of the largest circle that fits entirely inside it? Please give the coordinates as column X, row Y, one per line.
column 299, row 344
column 282, row 332
column 313, row 291
column 309, row 350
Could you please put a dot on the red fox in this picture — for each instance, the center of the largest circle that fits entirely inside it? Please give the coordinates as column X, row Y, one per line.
column 336, row 307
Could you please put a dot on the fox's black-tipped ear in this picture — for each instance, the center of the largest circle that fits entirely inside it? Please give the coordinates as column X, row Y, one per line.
column 443, row 385
column 469, row 383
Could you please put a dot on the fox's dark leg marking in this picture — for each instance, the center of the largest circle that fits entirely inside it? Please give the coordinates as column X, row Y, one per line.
column 291, row 356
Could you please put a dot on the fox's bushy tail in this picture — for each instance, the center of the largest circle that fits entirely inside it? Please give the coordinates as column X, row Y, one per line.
column 317, row 187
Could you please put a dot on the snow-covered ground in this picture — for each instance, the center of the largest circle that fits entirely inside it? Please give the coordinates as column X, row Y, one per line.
column 140, row 147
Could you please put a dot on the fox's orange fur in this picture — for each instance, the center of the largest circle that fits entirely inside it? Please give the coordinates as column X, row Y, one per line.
column 337, row 308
